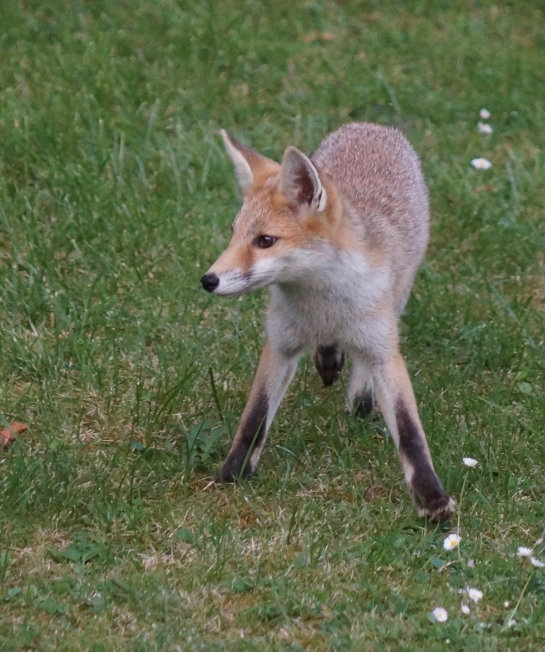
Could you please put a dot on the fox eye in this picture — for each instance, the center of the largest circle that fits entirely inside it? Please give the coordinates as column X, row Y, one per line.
column 265, row 241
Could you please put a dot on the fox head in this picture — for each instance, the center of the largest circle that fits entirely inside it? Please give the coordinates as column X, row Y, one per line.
column 288, row 213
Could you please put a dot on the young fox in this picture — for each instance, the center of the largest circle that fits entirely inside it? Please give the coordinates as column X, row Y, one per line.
column 338, row 237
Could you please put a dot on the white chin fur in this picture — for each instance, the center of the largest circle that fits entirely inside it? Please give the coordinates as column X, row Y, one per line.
column 235, row 282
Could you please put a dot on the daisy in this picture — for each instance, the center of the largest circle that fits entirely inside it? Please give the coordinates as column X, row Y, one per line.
column 524, row 552
column 451, row 541
column 469, row 461
column 474, row 594
column 440, row 614
column 535, row 562
column 481, row 163
column 483, row 128
column 484, row 113
column 465, row 609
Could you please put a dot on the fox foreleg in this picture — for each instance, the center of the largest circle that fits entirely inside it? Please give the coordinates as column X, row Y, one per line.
column 273, row 376
column 397, row 403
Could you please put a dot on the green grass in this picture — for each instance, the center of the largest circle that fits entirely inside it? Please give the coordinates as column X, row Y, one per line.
column 116, row 195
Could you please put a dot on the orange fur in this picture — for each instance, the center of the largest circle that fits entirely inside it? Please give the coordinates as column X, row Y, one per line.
column 267, row 211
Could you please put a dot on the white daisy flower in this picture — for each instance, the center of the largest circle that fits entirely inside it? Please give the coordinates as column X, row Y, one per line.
column 451, row 542
column 483, row 128
column 469, row 461
column 535, row 562
column 440, row 614
column 465, row 609
column 522, row 551
column 474, row 594
column 484, row 113
column 481, row 164
column 506, row 604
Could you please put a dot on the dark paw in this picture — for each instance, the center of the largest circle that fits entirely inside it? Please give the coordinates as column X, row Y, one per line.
column 232, row 473
column 437, row 508
column 364, row 406
column 329, row 362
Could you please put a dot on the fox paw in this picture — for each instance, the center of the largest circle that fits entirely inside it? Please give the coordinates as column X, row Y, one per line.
column 230, row 474
column 365, row 405
column 437, row 509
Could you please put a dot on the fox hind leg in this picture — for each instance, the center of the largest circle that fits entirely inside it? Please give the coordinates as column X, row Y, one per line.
column 397, row 403
column 329, row 361
column 361, row 399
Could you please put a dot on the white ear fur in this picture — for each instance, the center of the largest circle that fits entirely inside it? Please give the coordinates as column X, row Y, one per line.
column 300, row 182
column 243, row 171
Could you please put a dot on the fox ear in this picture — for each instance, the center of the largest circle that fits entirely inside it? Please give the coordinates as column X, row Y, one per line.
column 250, row 166
column 300, row 182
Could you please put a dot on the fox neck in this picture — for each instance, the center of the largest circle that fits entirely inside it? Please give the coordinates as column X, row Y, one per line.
column 330, row 271
column 337, row 259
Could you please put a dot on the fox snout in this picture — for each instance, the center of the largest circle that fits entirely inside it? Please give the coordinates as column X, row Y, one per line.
column 225, row 277
column 232, row 282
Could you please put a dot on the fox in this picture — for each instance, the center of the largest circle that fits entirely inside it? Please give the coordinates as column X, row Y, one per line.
column 337, row 237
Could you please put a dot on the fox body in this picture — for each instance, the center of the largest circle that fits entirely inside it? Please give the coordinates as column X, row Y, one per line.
column 338, row 238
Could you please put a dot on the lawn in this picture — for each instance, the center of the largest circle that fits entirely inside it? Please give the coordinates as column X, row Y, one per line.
column 115, row 197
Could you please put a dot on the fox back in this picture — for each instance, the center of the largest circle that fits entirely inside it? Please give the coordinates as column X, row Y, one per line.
column 378, row 174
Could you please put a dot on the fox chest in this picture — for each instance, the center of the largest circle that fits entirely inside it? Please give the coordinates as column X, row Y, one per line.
column 303, row 319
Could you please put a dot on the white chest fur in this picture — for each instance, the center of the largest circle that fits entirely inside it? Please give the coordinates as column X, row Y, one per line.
column 335, row 304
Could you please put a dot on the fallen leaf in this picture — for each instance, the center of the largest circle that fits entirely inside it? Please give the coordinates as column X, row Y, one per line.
column 7, row 435
column 485, row 188
column 315, row 35
column 310, row 37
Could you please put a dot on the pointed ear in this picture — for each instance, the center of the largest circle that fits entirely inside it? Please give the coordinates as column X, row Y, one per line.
column 250, row 166
column 300, row 182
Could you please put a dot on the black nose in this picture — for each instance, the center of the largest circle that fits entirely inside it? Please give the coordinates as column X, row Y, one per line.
column 210, row 282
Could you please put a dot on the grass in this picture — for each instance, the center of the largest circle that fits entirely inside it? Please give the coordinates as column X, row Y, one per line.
column 116, row 195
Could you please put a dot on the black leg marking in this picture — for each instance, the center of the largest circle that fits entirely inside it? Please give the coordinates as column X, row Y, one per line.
column 329, row 362
column 425, row 485
column 251, row 434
